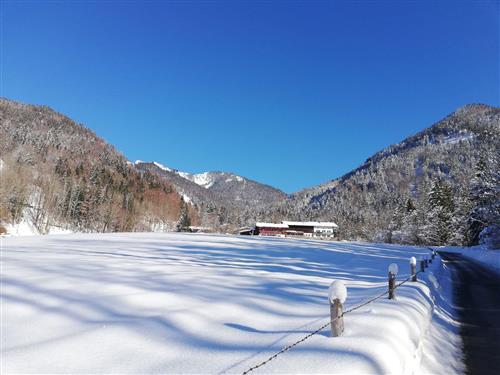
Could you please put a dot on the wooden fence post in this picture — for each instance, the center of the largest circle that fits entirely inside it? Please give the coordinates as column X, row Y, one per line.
column 337, row 294
column 422, row 265
column 393, row 271
column 413, row 269
column 336, row 319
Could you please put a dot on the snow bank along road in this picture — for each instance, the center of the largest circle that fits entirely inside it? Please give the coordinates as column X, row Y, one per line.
column 191, row 303
column 477, row 291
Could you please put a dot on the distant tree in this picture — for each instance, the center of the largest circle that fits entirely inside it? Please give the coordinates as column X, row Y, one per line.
column 184, row 220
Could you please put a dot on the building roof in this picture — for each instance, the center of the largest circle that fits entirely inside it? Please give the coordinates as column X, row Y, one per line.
column 287, row 224
column 271, row 225
column 323, row 224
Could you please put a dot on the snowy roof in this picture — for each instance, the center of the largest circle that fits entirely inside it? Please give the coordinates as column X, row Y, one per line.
column 311, row 223
column 271, row 225
column 287, row 224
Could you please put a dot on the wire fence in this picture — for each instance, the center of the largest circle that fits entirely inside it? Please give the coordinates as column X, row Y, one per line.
column 288, row 347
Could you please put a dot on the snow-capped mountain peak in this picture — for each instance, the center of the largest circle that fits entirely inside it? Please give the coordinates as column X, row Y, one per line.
column 216, row 191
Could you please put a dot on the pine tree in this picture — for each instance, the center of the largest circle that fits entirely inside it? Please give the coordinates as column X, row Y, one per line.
column 184, row 220
column 437, row 227
column 460, row 218
column 484, row 196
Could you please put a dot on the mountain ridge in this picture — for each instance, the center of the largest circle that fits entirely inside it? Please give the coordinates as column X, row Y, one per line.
column 364, row 202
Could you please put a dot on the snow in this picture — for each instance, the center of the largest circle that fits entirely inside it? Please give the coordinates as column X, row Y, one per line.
column 441, row 346
column 457, row 138
column 337, row 291
column 203, row 179
column 23, row 228
column 186, row 198
column 26, row 226
column 162, row 167
column 413, row 261
column 197, row 303
column 487, row 257
column 271, row 225
column 393, row 268
column 312, row 223
column 184, row 175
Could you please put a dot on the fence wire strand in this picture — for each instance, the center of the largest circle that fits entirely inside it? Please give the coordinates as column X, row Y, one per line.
column 288, row 347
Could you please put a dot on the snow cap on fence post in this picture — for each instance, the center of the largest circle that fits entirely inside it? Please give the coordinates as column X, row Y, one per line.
column 413, row 268
column 393, row 271
column 337, row 294
column 413, row 261
column 338, row 291
column 393, row 268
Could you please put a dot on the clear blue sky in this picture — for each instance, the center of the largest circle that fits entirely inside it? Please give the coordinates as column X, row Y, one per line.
column 287, row 93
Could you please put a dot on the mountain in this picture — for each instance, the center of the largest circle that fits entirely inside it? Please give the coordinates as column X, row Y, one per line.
column 220, row 197
column 57, row 173
column 389, row 197
column 440, row 186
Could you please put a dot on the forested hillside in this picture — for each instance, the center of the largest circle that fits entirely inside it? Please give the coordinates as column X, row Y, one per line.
column 56, row 173
column 440, row 186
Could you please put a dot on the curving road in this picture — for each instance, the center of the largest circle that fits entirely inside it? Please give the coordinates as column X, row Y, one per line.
column 477, row 301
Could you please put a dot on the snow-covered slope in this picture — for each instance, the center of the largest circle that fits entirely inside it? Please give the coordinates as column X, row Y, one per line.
column 205, row 179
column 184, row 303
column 366, row 201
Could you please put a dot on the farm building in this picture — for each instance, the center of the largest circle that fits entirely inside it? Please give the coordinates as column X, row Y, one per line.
column 297, row 228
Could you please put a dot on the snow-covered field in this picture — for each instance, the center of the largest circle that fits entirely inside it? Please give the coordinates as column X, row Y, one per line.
column 193, row 303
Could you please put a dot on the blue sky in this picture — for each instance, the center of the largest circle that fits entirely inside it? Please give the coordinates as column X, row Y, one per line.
column 291, row 94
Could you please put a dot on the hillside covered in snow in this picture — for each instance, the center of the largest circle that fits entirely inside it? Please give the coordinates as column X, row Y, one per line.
column 440, row 186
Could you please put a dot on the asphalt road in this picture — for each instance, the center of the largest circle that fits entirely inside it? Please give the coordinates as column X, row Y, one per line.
column 477, row 302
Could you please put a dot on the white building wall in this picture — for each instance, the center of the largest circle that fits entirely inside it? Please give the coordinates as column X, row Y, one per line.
column 323, row 231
